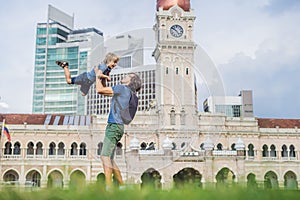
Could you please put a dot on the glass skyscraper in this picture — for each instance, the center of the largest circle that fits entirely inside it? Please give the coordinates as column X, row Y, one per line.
column 56, row 40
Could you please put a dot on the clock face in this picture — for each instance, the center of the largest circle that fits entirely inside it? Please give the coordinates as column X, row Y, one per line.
column 176, row 30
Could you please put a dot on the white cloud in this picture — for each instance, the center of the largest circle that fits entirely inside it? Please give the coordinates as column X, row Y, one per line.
column 272, row 75
column 3, row 105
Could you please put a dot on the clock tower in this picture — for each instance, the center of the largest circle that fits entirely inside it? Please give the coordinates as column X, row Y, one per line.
column 174, row 54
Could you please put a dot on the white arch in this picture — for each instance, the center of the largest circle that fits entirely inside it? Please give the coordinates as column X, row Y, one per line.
column 140, row 175
column 56, row 169
column 225, row 166
column 29, row 142
column 13, row 169
column 289, row 170
column 270, row 170
column 17, row 141
column 77, row 169
column 43, row 144
column 76, row 142
column 33, row 169
column 51, row 142
column 181, row 168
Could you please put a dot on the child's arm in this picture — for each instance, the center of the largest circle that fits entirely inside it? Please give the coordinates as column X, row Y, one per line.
column 105, row 77
column 102, row 89
column 100, row 75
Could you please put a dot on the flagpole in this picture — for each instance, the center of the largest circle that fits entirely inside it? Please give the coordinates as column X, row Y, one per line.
column 1, row 138
column 3, row 125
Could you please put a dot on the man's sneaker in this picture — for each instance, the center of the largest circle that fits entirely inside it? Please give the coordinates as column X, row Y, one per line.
column 62, row 64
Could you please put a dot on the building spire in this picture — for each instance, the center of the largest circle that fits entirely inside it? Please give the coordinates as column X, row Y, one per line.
column 166, row 4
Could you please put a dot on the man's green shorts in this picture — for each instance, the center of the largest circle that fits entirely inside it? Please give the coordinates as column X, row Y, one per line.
column 113, row 135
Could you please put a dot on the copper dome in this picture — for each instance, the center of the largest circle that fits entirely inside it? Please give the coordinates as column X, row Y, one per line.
column 166, row 4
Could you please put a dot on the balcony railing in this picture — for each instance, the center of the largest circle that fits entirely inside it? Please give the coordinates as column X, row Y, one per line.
column 80, row 157
column 176, row 153
column 224, row 153
column 12, row 157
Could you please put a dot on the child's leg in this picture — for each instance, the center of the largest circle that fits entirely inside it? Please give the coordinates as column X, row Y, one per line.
column 65, row 66
column 67, row 75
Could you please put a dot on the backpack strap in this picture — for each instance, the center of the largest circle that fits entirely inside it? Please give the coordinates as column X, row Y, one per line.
column 118, row 103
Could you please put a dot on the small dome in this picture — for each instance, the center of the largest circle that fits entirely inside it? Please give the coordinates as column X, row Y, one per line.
column 240, row 145
column 167, row 144
column 208, row 144
column 134, row 144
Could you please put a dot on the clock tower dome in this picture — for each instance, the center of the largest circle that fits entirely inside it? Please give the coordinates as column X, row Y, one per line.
column 174, row 54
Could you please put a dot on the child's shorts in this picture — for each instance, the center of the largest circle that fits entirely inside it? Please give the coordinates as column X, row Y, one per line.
column 83, row 81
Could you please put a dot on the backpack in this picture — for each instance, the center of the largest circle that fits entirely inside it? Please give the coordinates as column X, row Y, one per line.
column 128, row 113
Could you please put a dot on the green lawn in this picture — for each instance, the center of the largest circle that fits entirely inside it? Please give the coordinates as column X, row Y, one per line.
column 92, row 192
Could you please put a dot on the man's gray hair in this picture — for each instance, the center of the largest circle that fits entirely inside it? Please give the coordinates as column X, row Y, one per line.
column 135, row 82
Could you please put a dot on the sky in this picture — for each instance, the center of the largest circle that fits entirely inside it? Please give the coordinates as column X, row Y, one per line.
column 253, row 45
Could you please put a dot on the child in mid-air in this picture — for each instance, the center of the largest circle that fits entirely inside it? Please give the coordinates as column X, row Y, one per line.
column 86, row 79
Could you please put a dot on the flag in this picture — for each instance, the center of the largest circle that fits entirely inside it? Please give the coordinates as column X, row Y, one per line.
column 6, row 132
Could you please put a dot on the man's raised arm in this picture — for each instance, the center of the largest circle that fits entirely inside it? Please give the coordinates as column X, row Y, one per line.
column 106, row 91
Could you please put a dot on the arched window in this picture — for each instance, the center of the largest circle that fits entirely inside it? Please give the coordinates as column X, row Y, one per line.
column 173, row 146
column 172, row 116
column 82, row 149
column 219, row 147
column 100, row 145
column 39, row 149
column 251, row 181
column 182, row 117
column 290, row 181
column 250, row 150
column 151, row 179
column 143, row 146
column 265, row 152
column 61, row 149
column 292, row 151
column 52, row 150
column 7, row 150
column 17, row 148
column 34, row 177
column 225, row 177
column 73, row 149
column 30, row 150
column 186, row 178
column 273, row 151
column 183, row 145
column 233, row 147
column 11, row 175
column 271, row 180
column 55, row 180
column 151, row 146
column 202, row 146
column 284, row 152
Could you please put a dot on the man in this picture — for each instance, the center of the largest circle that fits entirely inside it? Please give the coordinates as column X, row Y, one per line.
column 121, row 96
